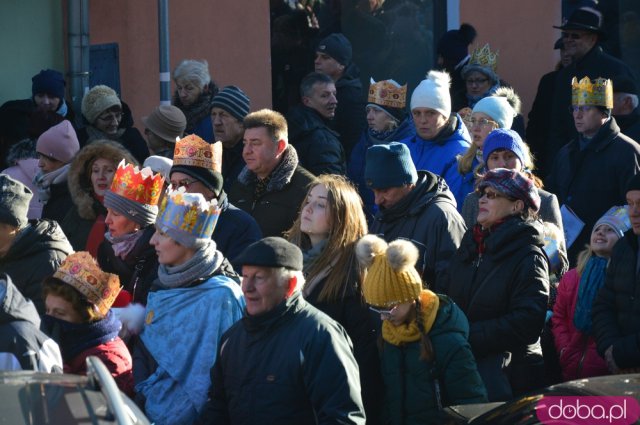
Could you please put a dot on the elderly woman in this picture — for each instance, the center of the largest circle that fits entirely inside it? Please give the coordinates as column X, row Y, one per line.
column 90, row 176
column 78, row 299
column 499, row 277
column 109, row 118
column 196, row 298
column 194, row 95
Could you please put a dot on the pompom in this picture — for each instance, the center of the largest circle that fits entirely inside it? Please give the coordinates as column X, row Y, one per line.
column 467, row 33
column 402, row 255
column 511, row 96
column 368, row 248
column 439, row 78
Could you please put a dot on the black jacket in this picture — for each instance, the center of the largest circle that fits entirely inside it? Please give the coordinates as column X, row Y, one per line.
column 131, row 139
column 319, row 149
column 232, row 164
column 59, row 202
column 351, row 115
column 539, row 125
column 295, row 366
column 36, row 253
column 428, row 217
column 616, row 309
column 630, row 124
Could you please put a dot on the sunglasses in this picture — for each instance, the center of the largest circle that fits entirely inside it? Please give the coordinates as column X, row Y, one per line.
column 184, row 183
column 492, row 195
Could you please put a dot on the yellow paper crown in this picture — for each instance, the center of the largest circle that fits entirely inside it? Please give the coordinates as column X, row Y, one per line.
column 388, row 93
column 484, row 57
column 596, row 93
column 194, row 151
column 140, row 186
column 81, row 271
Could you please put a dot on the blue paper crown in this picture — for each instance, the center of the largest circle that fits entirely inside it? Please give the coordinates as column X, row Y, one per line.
column 187, row 216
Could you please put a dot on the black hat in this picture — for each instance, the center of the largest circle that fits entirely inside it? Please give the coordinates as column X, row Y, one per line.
column 210, row 178
column 338, row 47
column 454, row 44
column 271, row 252
column 585, row 19
column 634, row 183
column 624, row 84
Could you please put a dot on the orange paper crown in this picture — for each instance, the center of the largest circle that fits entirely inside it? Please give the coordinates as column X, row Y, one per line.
column 388, row 93
column 140, row 186
column 484, row 57
column 81, row 271
column 194, row 151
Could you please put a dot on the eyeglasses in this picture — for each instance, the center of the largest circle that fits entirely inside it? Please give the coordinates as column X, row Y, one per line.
column 581, row 108
column 480, row 122
column 110, row 117
column 492, row 195
column 476, row 81
column 183, row 183
column 571, row 35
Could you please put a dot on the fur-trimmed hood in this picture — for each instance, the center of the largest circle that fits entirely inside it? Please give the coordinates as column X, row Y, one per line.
column 280, row 176
column 79, row 178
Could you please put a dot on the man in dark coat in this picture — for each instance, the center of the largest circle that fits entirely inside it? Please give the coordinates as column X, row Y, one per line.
column 580, row 36
column 625, row 106
column 334, row 58
column 272, row 185
column 616, row 309
column 318, row 147
column 29, row 252
column 291, row 362
column 414, row 205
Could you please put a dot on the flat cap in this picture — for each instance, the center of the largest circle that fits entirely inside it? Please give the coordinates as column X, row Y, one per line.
column 271, row 252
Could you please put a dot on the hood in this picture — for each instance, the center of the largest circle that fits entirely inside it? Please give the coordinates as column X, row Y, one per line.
column 14, row 306
column 40, row 235
column 24, row 149
column 449, row 319
column 79, row 177
column 303, row 120
column 350, row 77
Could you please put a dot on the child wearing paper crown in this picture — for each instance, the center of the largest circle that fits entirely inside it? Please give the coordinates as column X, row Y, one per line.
column 571, row 320
column 425, row 346
column 78, row 298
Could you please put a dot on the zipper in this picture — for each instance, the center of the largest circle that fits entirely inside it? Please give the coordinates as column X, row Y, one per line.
column 584, row 354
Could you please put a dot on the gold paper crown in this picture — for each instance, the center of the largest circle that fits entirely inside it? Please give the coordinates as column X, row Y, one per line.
column 388, row 93
column 484, row 57
column 140, row 186
column 192, row 150
column 596, row 93
column 81, row 271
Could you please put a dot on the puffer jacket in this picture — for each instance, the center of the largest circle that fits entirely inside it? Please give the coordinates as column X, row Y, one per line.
column 427, row 216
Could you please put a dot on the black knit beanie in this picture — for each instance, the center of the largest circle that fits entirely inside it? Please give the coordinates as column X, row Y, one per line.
column 211, row 179
column 634, row 183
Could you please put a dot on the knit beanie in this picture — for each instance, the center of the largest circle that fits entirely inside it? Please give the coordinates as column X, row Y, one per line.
column 634, row 183
column 617, row 218
column 433, row 93
column 391, row 277
column 453, row 46
column 59, row 142
column 97, row 100
column 504, row 138
column 502, row 107
column 167, row 122
column 338, row 47
column 50, row 82
column 14, row 201
column 234, row 101
column 389, row 165
column 212, row 179
column 513, row 184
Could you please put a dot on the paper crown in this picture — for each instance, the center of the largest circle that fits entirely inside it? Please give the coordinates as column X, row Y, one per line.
column 388, row 93
column 140, row 186
column 484, row 57
column 596, row 93
column 194, row 151
column 81, row 271
column 186, row 217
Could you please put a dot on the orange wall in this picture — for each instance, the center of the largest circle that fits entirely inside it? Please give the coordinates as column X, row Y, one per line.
column 232, row 35
column 523, row 33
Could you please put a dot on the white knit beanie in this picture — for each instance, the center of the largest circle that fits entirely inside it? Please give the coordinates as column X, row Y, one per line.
column 502, row 107
column 433, row 93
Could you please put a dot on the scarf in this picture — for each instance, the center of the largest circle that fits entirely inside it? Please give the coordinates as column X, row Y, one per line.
column 480, row 234
column 43, row 182
column 411, row 332
column 74, row 338
column 472, row 100
column 95, row 134
column 195, row 112
column 591, row 281
column 309, row 257
column 122, row 245
column 379, row 137
column 205, row 261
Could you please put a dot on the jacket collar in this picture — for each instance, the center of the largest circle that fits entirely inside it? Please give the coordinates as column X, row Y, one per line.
column 280, row 176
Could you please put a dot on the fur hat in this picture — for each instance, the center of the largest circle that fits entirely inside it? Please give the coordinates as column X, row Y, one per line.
column 513, row 184
column 391, row 274
column 97, row 100
column 338, row 47
column 433, row 93
column 453, row 46
column 272, row 251
column 504, row 138
column 389, row 165
column 167, row 122
column 14, row 201
column 59, row 142
column 233, row 100
column 50, row 82
column 502, row 107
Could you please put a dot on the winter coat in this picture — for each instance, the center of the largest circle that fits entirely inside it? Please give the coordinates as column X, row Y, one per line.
column 594, row 179
column 59, row 202
column 357, row 161
column 138, row 270
column 630, row 124
column 409, row 381
column 276, row 209
column 232, row 164
column 198, row 114
column 427, row 216
column 22, row 345
column 294, row 363
column 131, row 139
column 616, row 309
column 351, row 116
column 235, row 229
column 319, row 149
column 504, row 294
column 578, row 355
column 440, row 154
column 36, row 253
column 539, row 124
column 24, row 171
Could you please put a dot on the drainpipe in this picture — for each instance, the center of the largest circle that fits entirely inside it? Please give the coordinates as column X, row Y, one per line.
column 163, row 45
column 78, row 35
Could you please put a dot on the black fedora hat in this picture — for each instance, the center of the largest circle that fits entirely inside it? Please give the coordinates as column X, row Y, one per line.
column 584, row 19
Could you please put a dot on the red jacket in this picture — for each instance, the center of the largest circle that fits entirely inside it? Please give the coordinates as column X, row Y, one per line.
column 578, row 355
column 115, row 355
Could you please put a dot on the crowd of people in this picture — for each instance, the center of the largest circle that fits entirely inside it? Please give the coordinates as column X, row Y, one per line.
column 367, row 258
